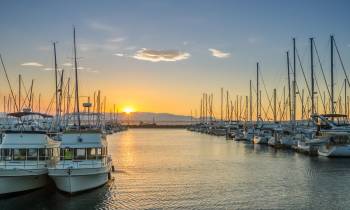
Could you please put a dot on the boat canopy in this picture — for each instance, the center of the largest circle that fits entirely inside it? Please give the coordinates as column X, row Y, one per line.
column 333, row 115
column 22, row 114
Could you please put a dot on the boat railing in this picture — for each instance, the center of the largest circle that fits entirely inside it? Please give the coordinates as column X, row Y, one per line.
column 22, row 164
column 92, row 163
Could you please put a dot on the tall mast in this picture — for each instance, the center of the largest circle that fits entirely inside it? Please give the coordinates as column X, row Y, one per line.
column 56, row 82
column 246, row 108
column 294, row 81
column 289, row 98
column 345, row 99
column 76, row 80
column 257, row 91
column 312, row 75
column 332, row 76
column 274, row 106
column 39, row 102
column 222, row 101
column 250, row 101
column 19, row 92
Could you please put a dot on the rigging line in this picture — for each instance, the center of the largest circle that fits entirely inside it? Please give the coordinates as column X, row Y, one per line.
column 318, row 88
column 340, row 91
column 48, row 109
column 27, row 95
column 268, row 97
column 319, row 61
column 297, row 87
column 302, row 70
column 8, row 82
column 341, row 62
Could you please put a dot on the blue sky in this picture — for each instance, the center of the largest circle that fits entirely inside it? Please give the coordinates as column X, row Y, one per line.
column 114, row 35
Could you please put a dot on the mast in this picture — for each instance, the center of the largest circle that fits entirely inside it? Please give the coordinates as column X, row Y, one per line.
column 289, row 98
column 257, row 91
column 302, row 104
column 332, row 76
column 294, row 81
column 274, row 106
column 246, row 108
column 312, row 75
column 345, row 99
column 39, row 102
column 76, row 80
column 56, row 81
column 227, row 107
column 250, row 101
column 19, row 92
column 222, row 101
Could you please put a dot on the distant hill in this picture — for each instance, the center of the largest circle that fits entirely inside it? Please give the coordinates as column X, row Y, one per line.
column 150, row 117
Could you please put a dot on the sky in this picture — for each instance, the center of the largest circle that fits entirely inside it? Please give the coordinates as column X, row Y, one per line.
column 161, row 55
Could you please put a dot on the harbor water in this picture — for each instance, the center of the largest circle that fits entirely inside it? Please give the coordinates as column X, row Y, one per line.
column 174, row 168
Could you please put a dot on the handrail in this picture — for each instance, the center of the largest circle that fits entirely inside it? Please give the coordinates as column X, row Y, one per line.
column 93, row 163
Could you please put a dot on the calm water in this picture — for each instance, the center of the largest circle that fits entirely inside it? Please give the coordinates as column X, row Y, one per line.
column 180, row 169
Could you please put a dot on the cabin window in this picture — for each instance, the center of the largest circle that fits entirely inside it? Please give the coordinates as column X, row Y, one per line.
column 49, row 153
column 6, row 154
column 42, row 154
column 99, row 153
column 66, row 154
column 91, row 153
column 79, row 154
column 32, row 154
column 19, row 154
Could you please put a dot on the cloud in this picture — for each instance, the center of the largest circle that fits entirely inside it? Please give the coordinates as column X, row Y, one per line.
column 119, row 54
column 100, row 26
column 36, row 64
column 218, row 53
column 117, row 39
column 160, row 55
column 67, row 64
column 51, row 69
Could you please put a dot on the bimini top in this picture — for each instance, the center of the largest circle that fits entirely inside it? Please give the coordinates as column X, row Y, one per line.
column 22, row 114
column 334, row 115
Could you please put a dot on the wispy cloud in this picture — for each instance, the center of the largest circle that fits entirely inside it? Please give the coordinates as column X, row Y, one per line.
column 117, row 39
column 119, row 54
column 219, row 54
column 160, row 55
column 35, row 64
column 51, row 69
column 67, row 64
column 101, row 26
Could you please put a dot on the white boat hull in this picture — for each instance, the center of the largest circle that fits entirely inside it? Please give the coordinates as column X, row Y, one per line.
column 16, row 181
column 77, row 180
column 334, row 151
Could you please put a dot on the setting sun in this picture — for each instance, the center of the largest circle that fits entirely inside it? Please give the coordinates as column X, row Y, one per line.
column 128, row 109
